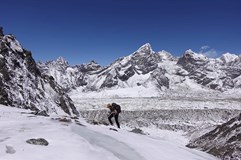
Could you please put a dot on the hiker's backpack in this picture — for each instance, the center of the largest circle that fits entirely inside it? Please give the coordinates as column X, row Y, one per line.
column 116, row 107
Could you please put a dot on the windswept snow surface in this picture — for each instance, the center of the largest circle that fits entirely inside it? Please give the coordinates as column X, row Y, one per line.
column 69, row 141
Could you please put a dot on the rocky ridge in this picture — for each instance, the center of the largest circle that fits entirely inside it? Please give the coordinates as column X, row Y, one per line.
column 23, row 85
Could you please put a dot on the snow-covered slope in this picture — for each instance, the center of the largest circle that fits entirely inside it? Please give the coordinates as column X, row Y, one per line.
column 146, row 73
column 23, row 85
column 224, row 141
column 69, row 141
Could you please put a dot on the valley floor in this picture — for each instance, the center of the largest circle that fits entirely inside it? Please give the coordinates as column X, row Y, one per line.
column 70, row 141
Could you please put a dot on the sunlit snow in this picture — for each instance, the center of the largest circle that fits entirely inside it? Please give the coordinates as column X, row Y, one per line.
column 69, row 141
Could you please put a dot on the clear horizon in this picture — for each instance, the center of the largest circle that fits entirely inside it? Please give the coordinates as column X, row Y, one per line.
column 81, row 31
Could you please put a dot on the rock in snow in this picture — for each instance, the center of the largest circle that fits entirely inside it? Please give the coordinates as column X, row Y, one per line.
column 38, row 141
column 10, row 149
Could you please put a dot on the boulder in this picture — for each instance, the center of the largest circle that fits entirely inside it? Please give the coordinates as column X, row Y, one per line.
column 38, row 141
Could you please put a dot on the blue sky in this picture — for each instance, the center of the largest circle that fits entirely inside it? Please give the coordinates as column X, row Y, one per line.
column 104, row 30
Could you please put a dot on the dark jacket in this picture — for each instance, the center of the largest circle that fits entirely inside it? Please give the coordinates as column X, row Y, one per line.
column 115, row 108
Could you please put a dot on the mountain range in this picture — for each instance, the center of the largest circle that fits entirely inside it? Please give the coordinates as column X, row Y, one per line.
column 146, row 73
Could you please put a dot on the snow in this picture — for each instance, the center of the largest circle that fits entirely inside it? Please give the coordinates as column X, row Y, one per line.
column 146, row 48
column 14, row 44
column 164, row 55
column 228, row 57
column 196, row 55
column 136, row 91
column 69, row 141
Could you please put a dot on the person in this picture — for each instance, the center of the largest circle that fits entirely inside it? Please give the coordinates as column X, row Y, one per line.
column 115, row 109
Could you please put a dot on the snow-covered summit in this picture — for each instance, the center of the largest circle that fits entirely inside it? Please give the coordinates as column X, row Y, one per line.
column 164, row 55
column 228, row 58
column 144, row 49
column 197, row 56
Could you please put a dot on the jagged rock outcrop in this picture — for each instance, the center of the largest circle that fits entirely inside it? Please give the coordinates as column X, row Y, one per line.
column 218, row 74
column 224, row 141
column 23, row 85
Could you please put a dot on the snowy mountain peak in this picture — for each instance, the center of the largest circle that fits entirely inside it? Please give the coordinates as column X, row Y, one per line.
column 61, row 60
column 92, row 63
column 144, row 49
column 197, row 56
column 59, row 64
column 189, row 51
column 164, row 55
column 228, row 57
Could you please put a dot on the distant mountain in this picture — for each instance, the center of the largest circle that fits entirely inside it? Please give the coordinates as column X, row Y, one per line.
column 23, row 85
column 69, row 77
column 149, row 73
column 223, row 142
column 219, row 74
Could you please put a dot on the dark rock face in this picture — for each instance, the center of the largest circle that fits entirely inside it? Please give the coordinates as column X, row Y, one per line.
column 1, row 32
column 127, row 74
column 160, row 78
column 63, row 99
column 92, row 66
column 38, row 141
column 23, row 85
column 109, row 82
column 31, row 65
column 223, row 142
column 190, row 62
